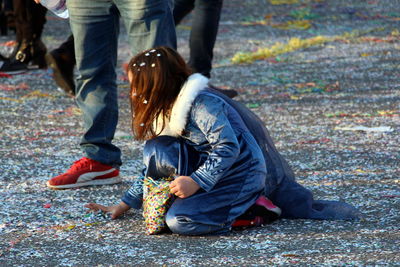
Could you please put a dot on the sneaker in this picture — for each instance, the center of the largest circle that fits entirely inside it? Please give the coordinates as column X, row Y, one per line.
column 63, row 71
column 263, row 211
column 246, row 223
column 85, row 172
column 264, row 205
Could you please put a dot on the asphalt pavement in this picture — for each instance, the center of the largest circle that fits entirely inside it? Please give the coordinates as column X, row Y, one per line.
column 325, row 78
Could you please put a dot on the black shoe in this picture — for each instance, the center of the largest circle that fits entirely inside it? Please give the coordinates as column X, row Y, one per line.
column 28, row 55
column 63, row 71
column 12, row 66
column 231, row 93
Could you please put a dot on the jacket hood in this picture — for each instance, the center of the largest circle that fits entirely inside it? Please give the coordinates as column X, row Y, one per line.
column 183, row 103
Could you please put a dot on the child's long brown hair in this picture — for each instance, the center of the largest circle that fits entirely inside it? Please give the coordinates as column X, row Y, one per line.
column 157, row 77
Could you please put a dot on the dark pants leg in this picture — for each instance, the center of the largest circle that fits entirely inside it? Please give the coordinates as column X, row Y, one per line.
column 206, row 16
column 67, row 49
column 29, row 19
column 181, row 9
column 6, row 16
column 62, row 61
column 29, row 23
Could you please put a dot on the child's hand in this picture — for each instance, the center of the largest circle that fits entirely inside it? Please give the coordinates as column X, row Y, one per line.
column 115, row 211
column 183, row 186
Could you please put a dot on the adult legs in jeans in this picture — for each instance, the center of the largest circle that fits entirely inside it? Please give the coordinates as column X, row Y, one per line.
column 62, row 59
column 206, row 16
column 95, row 26
column 149, row 23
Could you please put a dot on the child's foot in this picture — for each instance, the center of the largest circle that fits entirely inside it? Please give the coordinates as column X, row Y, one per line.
column 261, row 212
column 265, row 207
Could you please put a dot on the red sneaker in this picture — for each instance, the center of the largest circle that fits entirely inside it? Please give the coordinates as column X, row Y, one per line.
column 267, row 204
column 245, row 223
column 261, row 212
column 85, row 172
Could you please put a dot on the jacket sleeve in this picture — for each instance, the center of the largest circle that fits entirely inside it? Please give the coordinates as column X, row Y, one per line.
column 210, row 116
column 134, row 196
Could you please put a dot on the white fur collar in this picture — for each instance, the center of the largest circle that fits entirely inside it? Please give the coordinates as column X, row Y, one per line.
column 180, row 110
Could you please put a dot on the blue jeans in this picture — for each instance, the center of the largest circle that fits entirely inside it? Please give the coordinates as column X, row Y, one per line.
column 95, row 26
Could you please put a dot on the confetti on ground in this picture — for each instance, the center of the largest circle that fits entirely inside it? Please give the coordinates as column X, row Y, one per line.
column 283, row 2
column 293, row 24
column 342, row 72
column 294, row 44
column 366, row 129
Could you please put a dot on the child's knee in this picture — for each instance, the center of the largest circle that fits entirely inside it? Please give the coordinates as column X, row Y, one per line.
column 179, row 224
column 184, row 225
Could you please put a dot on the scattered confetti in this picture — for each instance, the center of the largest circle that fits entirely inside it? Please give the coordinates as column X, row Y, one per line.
column 283, row 2
column 292, row 45
column 341, row 72
column 366, row 129
column 294, row 25
column 22, row 86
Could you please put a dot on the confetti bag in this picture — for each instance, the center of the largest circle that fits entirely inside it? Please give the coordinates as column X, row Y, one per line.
column 156, row 200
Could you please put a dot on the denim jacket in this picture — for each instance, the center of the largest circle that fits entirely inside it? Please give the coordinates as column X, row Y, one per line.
column 233, row 143
column 217, row 133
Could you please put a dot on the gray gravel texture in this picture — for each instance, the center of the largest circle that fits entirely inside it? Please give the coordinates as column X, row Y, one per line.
column 332, row 108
